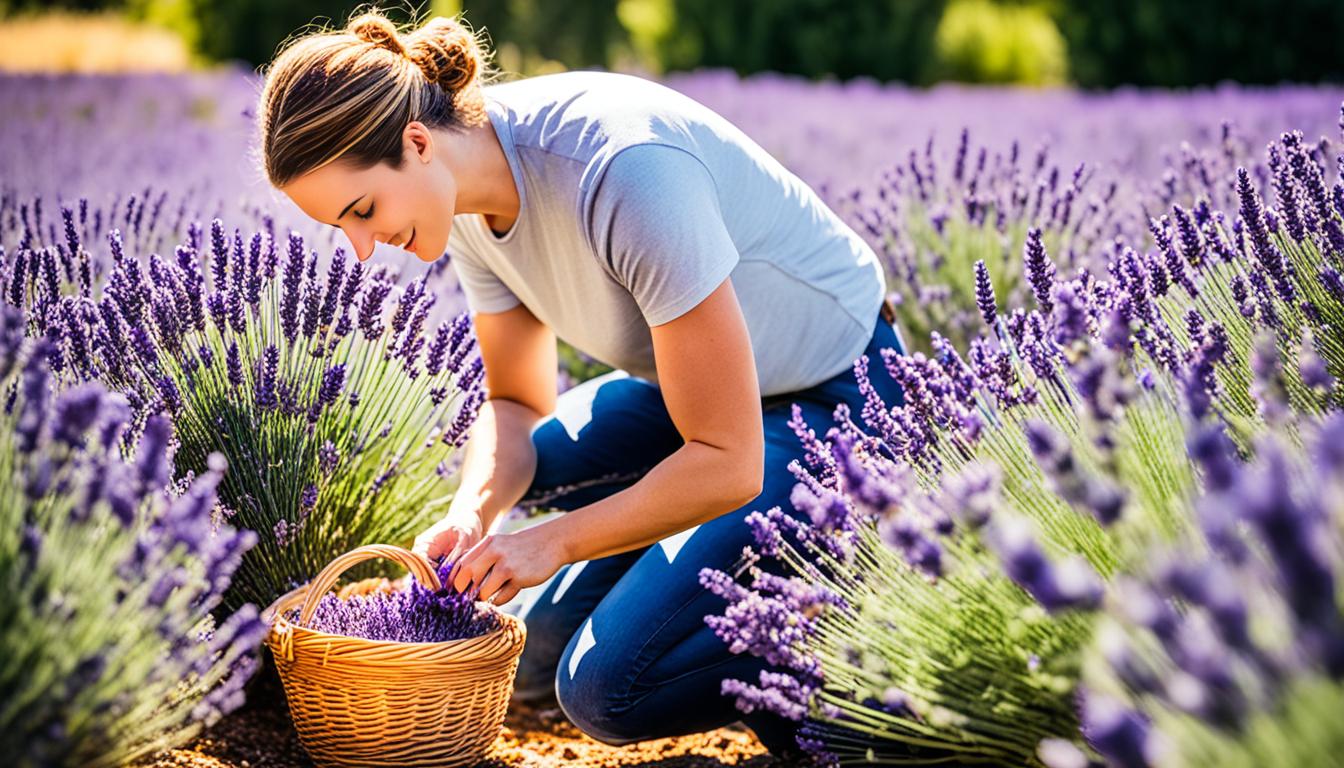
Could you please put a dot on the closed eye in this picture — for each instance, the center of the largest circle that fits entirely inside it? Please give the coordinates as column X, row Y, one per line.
column 365, row 215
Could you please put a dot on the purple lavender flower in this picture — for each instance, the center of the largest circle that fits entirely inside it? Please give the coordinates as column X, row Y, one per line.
column 291, row 286
column 331, row 300
column 333, row 381
column 371, row 310
column 76, row 411
column 266, row 378
column 1067, row 585
column 1311, row 367
column 1120, row 734
column 1070, row 316
column 233, row 363
column 413, row 615
column 1040, row 270
column 984, row 294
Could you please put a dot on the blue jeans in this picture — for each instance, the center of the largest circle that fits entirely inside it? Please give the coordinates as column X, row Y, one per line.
column 621, row 641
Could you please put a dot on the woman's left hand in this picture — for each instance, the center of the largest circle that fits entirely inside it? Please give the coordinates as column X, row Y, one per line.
column 504, row 564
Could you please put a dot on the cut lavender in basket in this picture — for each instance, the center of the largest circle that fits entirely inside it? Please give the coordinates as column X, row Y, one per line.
column 414, row 615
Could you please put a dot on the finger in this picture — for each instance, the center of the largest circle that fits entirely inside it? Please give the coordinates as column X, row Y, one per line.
column 468, row 558
column 427, row 543
column 473, row 568
column 494, row 581
column 506, row 594
column 456, row 553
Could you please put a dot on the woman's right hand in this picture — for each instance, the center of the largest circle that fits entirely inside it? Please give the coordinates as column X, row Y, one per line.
column 450, row 537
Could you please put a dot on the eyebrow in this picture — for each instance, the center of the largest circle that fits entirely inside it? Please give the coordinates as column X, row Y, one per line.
column 348, row 207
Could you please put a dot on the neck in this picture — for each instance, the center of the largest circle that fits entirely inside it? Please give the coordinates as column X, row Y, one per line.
column 484, row 181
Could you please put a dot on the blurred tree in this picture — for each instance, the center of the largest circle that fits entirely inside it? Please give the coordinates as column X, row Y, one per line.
column 1109, row 42
column 1169, row 43
column 176, row 15
column 981, row 41
column 883, row 39
column 579, row 34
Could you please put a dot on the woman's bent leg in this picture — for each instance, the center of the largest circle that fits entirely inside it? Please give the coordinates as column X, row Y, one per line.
column 645, row 665
column 604, row 435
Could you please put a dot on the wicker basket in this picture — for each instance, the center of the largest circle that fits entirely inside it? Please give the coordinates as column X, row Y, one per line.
column 379, row 703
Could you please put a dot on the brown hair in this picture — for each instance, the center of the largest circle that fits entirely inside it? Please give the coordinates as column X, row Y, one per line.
column 348, row 94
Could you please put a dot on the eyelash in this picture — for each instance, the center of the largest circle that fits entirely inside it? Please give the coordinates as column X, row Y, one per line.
column 367, row 214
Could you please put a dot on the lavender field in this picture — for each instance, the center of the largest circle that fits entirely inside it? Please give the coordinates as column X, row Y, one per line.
column 1105, row 525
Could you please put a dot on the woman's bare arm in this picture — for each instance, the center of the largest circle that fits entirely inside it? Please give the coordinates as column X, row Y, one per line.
column 518, row 351
column 708, row 379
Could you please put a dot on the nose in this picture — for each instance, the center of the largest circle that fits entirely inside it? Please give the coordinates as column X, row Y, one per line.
column 361, row 242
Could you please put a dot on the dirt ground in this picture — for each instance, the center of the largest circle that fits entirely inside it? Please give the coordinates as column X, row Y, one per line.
column 260, row 736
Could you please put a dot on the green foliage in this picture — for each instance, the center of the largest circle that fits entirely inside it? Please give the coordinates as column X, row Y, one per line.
column 176, row 15
column 1162, row 43
column 1109, row 42
column 886, row 40
column 253, row 30
column 986, row 42
column 533, row 35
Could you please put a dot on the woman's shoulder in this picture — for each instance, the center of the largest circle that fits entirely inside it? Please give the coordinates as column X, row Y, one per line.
column 590, row 115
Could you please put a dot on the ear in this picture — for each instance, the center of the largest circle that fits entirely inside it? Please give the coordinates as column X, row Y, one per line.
column 417, row 142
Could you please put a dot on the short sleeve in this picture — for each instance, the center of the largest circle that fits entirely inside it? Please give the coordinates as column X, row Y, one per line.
column 656, row 221
column 485, row 292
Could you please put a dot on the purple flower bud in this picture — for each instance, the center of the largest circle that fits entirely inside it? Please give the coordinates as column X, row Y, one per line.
column 1070, row 316
column 219, row 255
column 371, row 310
column 76, row 411
column 327, row 458
column 1311, row 367
column 331, row 300
column 266, row 374
column 1119, row 734
column 1070, row 584
column 291, row 285
column 233, row 363
column 153, row 459
column 36, row 395
column 169, row 395
column 1040, row 270
column 984, row 294
column 333, row 381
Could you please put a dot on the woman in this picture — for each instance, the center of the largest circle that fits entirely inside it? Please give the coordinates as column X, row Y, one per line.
column 649, row 232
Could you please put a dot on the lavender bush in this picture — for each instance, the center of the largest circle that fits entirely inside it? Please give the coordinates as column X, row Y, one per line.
column 341, row 421
column 1230, row 651
column 932, row 225
column 413, row 614
column 977, row 531
column 110, row 574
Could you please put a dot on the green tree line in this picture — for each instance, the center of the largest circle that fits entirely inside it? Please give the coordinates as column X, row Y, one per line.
column 1094, row 43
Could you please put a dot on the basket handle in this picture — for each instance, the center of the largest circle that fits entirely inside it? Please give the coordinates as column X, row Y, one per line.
column 416, row 564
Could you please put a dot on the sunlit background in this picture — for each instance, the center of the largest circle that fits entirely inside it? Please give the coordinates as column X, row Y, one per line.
column 1100, row 43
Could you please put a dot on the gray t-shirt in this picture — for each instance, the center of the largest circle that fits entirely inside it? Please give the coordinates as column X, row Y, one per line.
column 635, row 203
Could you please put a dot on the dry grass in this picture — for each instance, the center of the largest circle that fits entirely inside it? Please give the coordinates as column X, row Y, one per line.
column 68, row 42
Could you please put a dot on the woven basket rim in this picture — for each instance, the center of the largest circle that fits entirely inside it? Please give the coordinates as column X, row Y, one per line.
column 276, row 610
column 319, row 634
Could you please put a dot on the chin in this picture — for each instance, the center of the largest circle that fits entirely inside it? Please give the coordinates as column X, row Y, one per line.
column 427, row 253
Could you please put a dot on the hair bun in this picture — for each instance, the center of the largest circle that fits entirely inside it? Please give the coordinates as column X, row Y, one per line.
column 379, row 30
column 446, row 53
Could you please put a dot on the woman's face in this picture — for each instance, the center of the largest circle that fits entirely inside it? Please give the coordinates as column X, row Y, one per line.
column 410, row 207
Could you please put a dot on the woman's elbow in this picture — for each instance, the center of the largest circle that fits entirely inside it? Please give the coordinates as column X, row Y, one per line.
column 748, row 475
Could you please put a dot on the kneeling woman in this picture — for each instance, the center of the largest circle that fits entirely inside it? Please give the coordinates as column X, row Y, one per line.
column 649, row 232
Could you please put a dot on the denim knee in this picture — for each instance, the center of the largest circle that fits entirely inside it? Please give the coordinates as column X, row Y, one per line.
column 595, row 701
